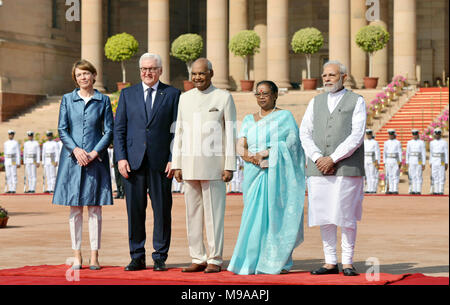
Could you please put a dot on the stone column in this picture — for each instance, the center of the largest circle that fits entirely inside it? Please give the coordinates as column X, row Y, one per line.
column 358, row 56
column 217, row 40
column 158, row 34
column 339, row 34
column 278, row 40
column 405, row 39
column 238, row 22
column 92, row 43
column 380, row 58
column 260, row 27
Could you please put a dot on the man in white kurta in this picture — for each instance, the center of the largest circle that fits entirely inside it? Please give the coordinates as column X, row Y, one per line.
column 204, row 156
column 31, row 160
column 438, row 162
column 50, row 159
column 371, row 162
column 415, row 159
column 392, row 158
column 335, row 199
column 11, row 150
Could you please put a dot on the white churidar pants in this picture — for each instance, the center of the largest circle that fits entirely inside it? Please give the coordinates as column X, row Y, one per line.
column 329, row 237
column 11, row 177
column 76, row 226
column 205, row 204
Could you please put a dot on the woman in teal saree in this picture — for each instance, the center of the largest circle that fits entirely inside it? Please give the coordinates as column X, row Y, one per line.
column 274, row 188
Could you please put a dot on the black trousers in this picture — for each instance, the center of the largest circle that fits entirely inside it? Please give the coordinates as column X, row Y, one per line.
column 158, row 186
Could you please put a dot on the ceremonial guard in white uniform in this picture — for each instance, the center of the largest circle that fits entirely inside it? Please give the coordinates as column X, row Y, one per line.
column 371, row 162
column 392, row 158
column 111, row 165
column 50, row 159
column 415, row 159
column 11, row 150
column 438, row 162
column 238, row 177
column 177, row 187
column 31, row 160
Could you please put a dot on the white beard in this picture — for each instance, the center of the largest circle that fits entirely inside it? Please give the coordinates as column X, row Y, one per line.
column 335, row 88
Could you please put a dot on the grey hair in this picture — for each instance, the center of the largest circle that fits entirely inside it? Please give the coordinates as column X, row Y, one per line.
column 208, row 63
column 151, row 56
column 342, row 68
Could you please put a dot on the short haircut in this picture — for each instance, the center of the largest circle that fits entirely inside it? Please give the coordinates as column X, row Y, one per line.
column 273, row 87
column 208, row 63
column 82, row 64
column 151, row 56
column 342, row 68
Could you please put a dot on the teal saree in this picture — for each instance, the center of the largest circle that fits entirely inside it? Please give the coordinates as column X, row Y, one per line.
column 272, row 218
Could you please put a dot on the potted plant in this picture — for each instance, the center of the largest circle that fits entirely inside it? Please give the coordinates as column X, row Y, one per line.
column 119, row 48
column 307, row 41
column 3, row 217
column 245, row 44
column 371, row 38
column 187, row 47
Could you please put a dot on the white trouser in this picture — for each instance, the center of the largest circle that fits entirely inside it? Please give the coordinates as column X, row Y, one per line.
column 205, row 204
column 11, row 177
column 371, row 177
column 415, row 175
column 76, row 226
column 30, row 171
column 113, row 178
column 329, row 237
column 392, row 176
column 438, row 176
column 50, row 176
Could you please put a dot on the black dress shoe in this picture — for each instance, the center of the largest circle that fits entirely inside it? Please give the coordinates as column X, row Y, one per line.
column 350, row 272
column 323, row 270
column 159, row 266
column 136, row 264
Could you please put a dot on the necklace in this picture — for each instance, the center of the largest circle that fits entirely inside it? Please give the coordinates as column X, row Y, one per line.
column 262, row 116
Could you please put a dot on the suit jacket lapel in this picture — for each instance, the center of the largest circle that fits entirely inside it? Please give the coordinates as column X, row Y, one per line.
column 159, row 100
column 140, row 101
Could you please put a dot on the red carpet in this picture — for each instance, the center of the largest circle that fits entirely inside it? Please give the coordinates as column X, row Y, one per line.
column 56, row 275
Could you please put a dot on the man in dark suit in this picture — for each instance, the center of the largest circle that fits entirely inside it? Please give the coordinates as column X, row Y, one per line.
column 142, row 138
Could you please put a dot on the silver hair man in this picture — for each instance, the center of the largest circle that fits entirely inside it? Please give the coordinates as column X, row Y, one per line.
column 334, row 87
column 151, row 56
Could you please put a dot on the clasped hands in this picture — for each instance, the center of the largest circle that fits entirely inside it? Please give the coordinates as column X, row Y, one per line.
column 83, row 157
column 325, row 165
column 226, row 175
column 259, row 159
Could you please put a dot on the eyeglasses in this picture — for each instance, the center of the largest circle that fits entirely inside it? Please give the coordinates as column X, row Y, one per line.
column 262, row 94
column 152, row 69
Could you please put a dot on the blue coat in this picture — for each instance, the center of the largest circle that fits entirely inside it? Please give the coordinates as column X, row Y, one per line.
column 134, row 136
column 89, row 127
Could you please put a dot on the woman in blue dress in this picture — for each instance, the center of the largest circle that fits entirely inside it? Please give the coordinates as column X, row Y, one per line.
column 85, row 127
column 274, row 188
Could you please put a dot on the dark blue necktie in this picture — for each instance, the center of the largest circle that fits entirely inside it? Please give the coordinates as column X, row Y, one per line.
column 148, row 104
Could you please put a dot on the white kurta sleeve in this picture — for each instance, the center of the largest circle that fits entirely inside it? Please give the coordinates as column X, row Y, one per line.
column 230, row 134
column 356, row 138
column 177, row 140
column 306, row 137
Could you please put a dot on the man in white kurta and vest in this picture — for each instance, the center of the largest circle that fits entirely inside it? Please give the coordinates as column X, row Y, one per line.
column 371, row 162
column 204, row 156
column 50, row 159
column 438, row 162
column 415, row 159
column 11, row 150
column 31, row 160
column 332, row 135
column 392, row 158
